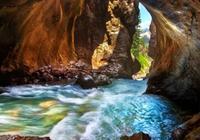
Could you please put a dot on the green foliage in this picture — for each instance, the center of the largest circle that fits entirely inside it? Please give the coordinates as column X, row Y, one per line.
column 139, row 51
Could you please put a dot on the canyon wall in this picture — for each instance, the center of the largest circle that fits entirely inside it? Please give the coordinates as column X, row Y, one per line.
column 176, row 51
column 104, row 35
column 35, row 34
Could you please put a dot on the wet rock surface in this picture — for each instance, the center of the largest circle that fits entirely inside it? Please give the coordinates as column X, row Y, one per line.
column 190, row 130
column 75, row 73
column 138, row 136
column 89, row 81
column 9, row 137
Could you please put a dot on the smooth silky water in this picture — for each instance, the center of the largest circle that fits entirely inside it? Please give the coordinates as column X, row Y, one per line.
column 67, row 112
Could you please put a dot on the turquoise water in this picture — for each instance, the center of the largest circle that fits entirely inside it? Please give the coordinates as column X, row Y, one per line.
column 67, row 112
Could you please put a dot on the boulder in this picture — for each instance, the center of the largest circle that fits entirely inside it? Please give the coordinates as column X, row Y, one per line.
column 138, row 136
column 92, row 80
column 86, row 81
column 102, row 79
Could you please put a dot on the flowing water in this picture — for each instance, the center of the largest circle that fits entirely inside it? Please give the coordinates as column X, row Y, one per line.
column 67, row 112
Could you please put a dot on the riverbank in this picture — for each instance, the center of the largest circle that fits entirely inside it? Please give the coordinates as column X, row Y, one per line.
column 9, row 137
column 75, row 73
column 138, row 136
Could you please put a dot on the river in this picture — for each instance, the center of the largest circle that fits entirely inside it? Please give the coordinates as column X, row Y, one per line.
column 67, row 112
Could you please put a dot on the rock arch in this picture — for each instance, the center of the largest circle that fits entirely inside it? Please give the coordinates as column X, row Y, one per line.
column 175, row 71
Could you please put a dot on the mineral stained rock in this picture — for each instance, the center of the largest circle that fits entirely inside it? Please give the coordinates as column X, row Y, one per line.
column 36, row 34
column 175, row 71
column 190, row 130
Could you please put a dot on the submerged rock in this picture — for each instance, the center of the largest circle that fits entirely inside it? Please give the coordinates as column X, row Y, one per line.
column 90, row 81
column 86, row 81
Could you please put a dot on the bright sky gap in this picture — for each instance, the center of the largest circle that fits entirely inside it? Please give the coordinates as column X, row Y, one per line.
column 145, row 17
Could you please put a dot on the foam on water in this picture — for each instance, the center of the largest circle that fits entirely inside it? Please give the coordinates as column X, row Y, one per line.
column 67, row 112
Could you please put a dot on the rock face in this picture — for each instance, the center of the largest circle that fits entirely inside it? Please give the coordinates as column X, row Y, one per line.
column 138, row 136
column 175, row 70
column 8, row 137
column 152, row 42
column 35, row 34
column 41, row 37
column 104, row 35
column 91, row 28
column 190, row 130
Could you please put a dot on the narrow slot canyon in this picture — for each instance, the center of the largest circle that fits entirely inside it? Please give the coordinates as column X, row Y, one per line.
column 94, row 69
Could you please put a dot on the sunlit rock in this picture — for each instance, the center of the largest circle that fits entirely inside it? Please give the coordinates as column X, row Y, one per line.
column 104, row 35
column 38, row 33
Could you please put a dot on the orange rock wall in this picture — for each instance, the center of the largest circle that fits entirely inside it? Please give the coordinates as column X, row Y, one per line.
column 36, row 33
column 43, row 32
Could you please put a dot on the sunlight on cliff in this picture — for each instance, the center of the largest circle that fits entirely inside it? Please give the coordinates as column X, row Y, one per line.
column 47, row 34
column 105, row 50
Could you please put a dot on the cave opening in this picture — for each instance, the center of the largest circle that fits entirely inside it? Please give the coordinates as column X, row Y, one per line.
column 140, row 45
column 65, row 99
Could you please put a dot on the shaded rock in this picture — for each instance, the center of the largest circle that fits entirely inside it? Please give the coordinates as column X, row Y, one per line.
column 92, row 80
column 69, row 34
column 179, row 134
column 152, row 42
column 86, row 81
column 82, row 64
column 139, row 136
column 193, row 135
column 103, row 35
column 9, row 137
column 190, row 130
column 175, row 49
column 102, row 80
